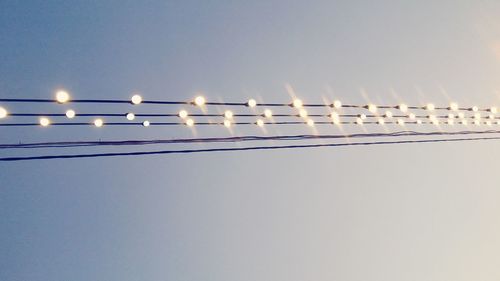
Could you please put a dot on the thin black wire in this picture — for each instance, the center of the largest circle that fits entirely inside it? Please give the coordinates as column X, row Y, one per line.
column 70, row 144
column 189, row 151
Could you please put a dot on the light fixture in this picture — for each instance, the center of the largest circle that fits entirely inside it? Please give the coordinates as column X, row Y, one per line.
column 403, row 107
column 419, row 122
column 372, row 108
column 359, row 121
column 464, row 122
column 474, row 108
column 493, row 109
column 136, row 99
column 461, row 115
column 335, row 118
column 260, row 123
column 183, row 114
column 362, row 116
column 430, row 106
column 451, row 116
column 3, row 113
column 146, row 123
column 388, row 114
column 199, row 101
column 381, row 121
column 44, row 121
column 228, row 114
column 62, row 96
column 98, row 122
column 310, row 122
column 227, row 123
column 450, row 122
column 297, row 103
column 130, row 116
column 337, row 104
column 252, row 103
column 453, row 106
column 412, row 116
column 190, row 122
column 70, row 113
column 268, row 113
column 401, row 122
column 303, row 113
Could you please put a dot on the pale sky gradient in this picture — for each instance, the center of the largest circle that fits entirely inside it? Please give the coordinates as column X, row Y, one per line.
column 388, row 213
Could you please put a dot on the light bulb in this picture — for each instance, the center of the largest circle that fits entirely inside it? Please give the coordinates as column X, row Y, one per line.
column 451, row 116
column 475, row 108
column 136, row 99
column 412, row 116
column 453, row 106
column 372, row 108
column 130, row 116
column 98, row 122
column 359, row 121
column 381, row 121
column 477, row 122
column 183, row 114
column 190, row 122
column 310, row 122
column 419, row 122
column 464, row 122
column 488, row 123
column 268, row 113
column 491, row 116
column 303, row 113
column 44, row 121
column 228, row 114
column 146, row 123
column 431, row 117
column 435, row 121
column 403, row 107
column 70, row 113
column 388, row 114
column 493, row 110
column 461, row 115
column 337, row 104
column 297, row 103
column 430, row 106
column 450, row 122
column 401, row 122
column 62, row 96
column 362, row 116
column 3, row 113
column 335, row 118
column 252, row 103
column 477, row 115
column 227, row 123
column 199, row 101
column 260, row 123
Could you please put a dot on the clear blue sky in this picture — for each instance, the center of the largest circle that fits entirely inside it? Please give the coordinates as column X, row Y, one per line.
column 409, row 212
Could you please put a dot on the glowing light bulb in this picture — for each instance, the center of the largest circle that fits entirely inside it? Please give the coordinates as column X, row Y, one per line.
column 130, row 116
column 450, row 122
column 435, row 122
column 362, row 116
column 199, row 101
column 146, row 123
column 451, row 116
column 190, row 122
column 488, row 123
column 260, row 123
column 491, row 116
column 136, row 99
column 62, row 96
column 453, row 106
column 381, row 121
column 498, row 122
column 464, row 122
column 44, row 121
column 493, row 110
column 268, row 113
column 337, row 104
column 477, row 122
column 227, row 123
column 228, row 114
column 335, row 118
column 98, row 122
column 359, row 121
column 401, row 122
column 388, row 114
column 412, row 116
column 297, row 103
column 70, row 113
column 477, row 115
column 372, row 108
column 183, row 114
column 475, row 108
column 310, row 122
column 419, row 122
column 403, row 107
column 461, row 115
column 3, row 113
column 430, row 106
column 303, row 113
column 252, row 103
column 431, row 117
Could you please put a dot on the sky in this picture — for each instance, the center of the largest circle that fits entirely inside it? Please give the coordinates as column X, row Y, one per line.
column 399, row 212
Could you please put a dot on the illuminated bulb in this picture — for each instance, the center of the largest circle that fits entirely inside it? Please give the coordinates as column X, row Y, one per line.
column 260, row 123
column 419, row 122
column 130, row 116
column 431, row 117
column 450, row 122
column 268, row 113
column 62, row 96
column 310, row 122
column 337, row 104
column 136, row 99
column 362, row 116
column 70, row 114
column 464, row 122
column 303, row 113
column 403, row 107
column 401, row 122
column 451, row 116
column 498, row 122
column 44, row 121
column 227, row 123
column 454, row 106
column 228, row 114
column 491, row 116
column 335, row 118
column 297, row 103
column 3, row 113
column 477, row 122
column 199, row 101
column 252, row 103
column 190, row 122
column 430, row 106
column 461, row 115
column 477, row 115
column 488, row 123
column 146, row 123
column 435, row 121
column 475, row 108
column 183, row 114
column 493, row 109
column 381, row 121
column 412, row 116
column 372, row 108
column 359, row 121
column 98, row 122
column 388, row 114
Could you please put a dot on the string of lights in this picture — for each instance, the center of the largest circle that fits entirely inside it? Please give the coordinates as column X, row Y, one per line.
column 250, row 148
